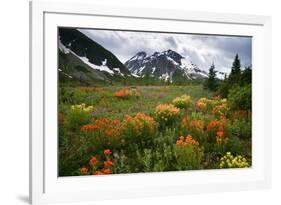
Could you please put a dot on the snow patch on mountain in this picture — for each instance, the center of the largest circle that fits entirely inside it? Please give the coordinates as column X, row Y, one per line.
column 165, row 77
column 85, row 60
column 163, row 65
column 63, row 48
column 102, row 67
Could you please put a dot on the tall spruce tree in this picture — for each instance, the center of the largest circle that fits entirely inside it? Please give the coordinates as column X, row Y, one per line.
column 211, row 82
column 235, row 73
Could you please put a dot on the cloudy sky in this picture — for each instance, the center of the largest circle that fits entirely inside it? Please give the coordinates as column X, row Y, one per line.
column 202, row 50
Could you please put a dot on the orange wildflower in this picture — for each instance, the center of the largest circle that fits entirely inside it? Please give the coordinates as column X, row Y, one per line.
column 107, row 171
column 84, row 170
column 215, row 125
column 115, row 122
column 185, row 121
column 98, row 173
column 123, row 93
column 220, row 134
column 139, row 124
column 108, row 163
column 220, row 137
column 197, row 124
column 187, row 141
column 190, row 141
column 179, row 142
column 106, row 127
column 201, row 105
column 89, row 127
column 93, row 161
column 107, row 152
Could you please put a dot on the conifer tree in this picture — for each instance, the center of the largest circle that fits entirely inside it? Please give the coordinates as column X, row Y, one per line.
column 235, row 73
column 211, row 82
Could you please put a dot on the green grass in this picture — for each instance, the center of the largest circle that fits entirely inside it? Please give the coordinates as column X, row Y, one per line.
column 151, row 96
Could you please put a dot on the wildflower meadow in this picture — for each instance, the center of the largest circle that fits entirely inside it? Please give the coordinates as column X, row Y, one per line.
column 117, row 130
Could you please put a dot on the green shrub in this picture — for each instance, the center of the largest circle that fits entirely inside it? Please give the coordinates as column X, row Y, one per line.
column 188, row 154
column 183, row 101
column 241, row 128
column 167, row 114
column 157, row 160
column 140, row 130
column 240, row 98
column 74, row 119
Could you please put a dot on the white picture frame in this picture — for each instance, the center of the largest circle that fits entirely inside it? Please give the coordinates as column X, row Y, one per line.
column 46, row 186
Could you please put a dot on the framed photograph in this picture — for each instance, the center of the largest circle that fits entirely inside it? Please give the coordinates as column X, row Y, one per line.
column 129, row 102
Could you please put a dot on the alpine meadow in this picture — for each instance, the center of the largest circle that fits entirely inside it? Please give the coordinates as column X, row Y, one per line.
column 137, row 101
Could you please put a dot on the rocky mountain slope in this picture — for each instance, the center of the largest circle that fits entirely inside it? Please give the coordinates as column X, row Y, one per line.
column 167, row 65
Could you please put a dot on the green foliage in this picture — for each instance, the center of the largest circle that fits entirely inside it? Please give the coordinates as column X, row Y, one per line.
column 167, row 115
column 235, row 146
column 74, row 119
column 241, row 128
column 240, row 98
column 183, row 101
column 188, row 157
column 139, row 129
column 234, row 76
column 246, row 76
column 161, row 156
column 122, row 164
column 211, row 82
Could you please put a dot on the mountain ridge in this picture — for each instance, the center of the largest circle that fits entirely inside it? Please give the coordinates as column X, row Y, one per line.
column 163, row 65
column 84, row 60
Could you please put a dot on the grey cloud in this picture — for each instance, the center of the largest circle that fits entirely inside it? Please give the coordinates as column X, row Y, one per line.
column 172, row 42
column 202, row 50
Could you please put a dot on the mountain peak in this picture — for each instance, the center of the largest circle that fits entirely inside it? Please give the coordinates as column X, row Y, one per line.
column 141, row 54
column 174, row 55
column 163, row 65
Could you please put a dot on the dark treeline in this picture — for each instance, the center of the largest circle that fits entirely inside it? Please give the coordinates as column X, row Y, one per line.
column 237, row 86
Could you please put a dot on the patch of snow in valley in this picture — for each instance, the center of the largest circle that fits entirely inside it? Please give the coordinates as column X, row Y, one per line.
column 153, row 70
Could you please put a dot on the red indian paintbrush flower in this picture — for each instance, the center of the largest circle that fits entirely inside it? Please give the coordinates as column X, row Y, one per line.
column 108, row 163
column 93, row 161
column 107, row 152
column 106, row 171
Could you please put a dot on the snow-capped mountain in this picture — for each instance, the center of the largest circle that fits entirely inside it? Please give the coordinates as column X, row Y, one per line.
column 81, row 58
column 166, row 65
